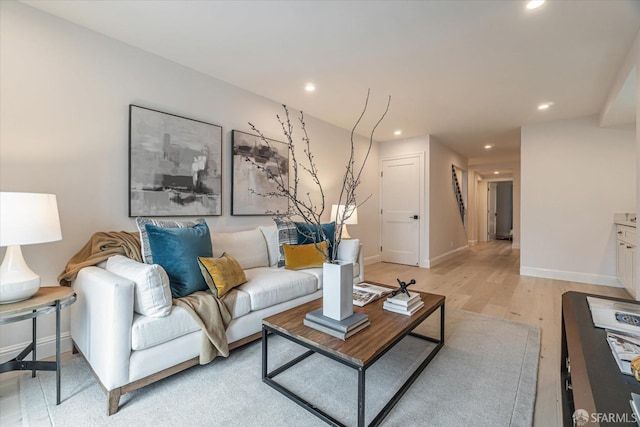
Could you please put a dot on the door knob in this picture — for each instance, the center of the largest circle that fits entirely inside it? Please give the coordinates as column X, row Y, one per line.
column 414, row 217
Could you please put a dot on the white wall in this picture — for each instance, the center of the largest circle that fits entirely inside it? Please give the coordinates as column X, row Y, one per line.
column 64, row 96
column 417, row 145
column 447, row 234
column 575, row 175
column 517, row 205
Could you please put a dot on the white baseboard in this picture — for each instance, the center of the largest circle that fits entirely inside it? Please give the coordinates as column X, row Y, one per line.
column 372, row 259
column 447, row 256
column 473, row 242
column 45, row 347
column 571, row 276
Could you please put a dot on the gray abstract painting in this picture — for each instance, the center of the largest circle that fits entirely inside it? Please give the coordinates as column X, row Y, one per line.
column 174, row 165
column 251, row 185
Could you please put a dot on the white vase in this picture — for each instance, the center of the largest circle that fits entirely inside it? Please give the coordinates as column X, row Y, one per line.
column 337, row 290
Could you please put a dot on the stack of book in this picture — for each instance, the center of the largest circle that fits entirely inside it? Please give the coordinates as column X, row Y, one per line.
column 404, row 304
column 342, row 329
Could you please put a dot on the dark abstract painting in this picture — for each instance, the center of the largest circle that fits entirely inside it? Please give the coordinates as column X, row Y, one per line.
column 174, row 165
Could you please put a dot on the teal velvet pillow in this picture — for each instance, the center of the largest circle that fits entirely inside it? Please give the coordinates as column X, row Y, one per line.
column 177, row 251
column 309, row 233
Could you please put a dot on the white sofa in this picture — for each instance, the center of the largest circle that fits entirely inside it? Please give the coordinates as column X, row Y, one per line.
column 127, row 350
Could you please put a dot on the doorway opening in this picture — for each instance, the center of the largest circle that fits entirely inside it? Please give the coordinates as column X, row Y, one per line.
column 500, row 210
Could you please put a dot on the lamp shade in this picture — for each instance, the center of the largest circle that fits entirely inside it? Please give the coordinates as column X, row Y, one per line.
column 338, row 210
column 28, row 218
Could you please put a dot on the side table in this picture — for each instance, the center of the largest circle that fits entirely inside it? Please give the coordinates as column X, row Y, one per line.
column 45, row 301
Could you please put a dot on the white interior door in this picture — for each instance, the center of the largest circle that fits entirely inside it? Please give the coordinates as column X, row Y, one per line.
column 492, row 210
column 401, row 210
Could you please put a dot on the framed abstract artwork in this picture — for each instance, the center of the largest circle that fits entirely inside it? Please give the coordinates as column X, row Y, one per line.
column 250, row 185
column 174, row 165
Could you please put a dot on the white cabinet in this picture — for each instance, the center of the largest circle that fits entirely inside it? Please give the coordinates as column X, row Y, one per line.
column 626, row 259
column 630, row 271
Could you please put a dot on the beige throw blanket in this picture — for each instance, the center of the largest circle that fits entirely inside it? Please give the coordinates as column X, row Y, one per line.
column 100, row 247
column 212, row 314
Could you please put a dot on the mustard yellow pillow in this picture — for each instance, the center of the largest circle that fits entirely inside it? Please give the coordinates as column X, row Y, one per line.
column 221, row 274
column 297, row 257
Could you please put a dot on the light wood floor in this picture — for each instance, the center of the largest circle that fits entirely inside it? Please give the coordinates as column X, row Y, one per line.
column 484, row 279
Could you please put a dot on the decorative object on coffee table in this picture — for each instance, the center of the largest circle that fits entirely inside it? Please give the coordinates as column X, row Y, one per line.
column 310, row 206
column 174, row 165
column 402, row 302
column 403, row 288
column 25, row 219
column 337, row 290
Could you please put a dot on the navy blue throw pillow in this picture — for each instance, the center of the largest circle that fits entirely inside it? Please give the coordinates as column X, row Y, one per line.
column 308, row 233
column 177, row 251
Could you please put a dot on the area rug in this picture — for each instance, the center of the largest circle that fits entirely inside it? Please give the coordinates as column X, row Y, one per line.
column 485, row 375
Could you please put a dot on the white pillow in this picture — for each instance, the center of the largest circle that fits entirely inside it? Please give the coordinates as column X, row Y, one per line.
column 249, row 247
column 348, row 250
column 152, row 295
column 270, row 233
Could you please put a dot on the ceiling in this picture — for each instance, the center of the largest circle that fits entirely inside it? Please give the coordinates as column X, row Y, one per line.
column 467, row 72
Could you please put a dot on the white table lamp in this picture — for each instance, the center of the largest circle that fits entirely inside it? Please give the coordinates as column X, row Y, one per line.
column 337, row 212
column 25, row 219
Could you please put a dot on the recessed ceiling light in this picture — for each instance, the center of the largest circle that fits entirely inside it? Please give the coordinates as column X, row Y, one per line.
column 488, row 146
column 310, row 87
column 545, row 106
column 496, row 172
column 534, row 4
column 398, row 132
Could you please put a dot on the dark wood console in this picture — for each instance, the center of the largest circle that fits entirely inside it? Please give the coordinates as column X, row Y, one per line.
column 590, row 376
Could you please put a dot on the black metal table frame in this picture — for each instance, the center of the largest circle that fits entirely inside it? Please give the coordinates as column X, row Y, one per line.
column 18, row 363
column 267, row 377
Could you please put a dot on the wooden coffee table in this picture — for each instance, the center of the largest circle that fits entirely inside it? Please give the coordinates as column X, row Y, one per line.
column 358, row 352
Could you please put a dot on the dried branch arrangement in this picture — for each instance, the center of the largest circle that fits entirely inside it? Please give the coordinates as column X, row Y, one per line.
column 310, row 208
